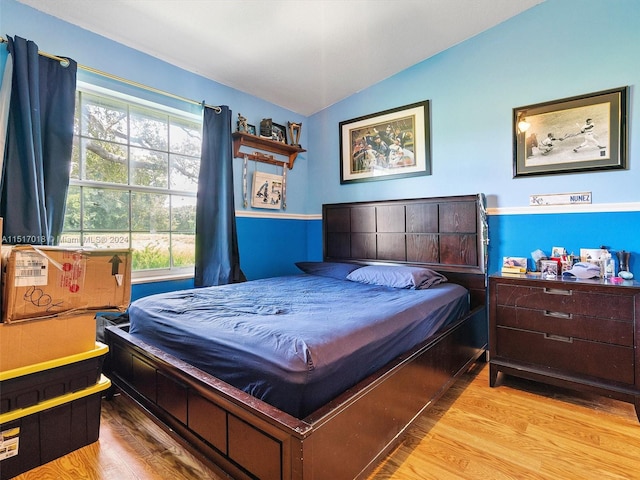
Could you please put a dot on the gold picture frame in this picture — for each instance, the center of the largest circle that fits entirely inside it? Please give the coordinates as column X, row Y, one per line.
column 390, row 144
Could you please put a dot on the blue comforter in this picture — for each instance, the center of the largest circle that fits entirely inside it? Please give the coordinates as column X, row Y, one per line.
column 295, row 342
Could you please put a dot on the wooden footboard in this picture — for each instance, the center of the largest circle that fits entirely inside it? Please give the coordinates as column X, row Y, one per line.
column 346, row 438
column 248, row 438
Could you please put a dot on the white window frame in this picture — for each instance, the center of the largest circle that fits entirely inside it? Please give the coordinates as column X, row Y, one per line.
column 151, row 275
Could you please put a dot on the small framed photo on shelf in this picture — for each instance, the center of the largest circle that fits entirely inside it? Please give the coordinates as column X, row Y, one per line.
column 278, row 133
column 549, row 268
column 558, row 252
column 266, row 128
column 251, row 129
column 273, row 131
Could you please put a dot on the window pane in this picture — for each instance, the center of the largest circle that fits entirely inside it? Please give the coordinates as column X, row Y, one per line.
column 70, row 240
column 185, row 137
column 106, row 240
column 183, row 214
column 72, row 212
column 76, row 116
column 104, row 118
column 105, row 210
column 149, row 168
column 74, row 172
column 184, row 173
column 150, row 251
column 149, row 129
column 149, row 212
column 183, row 249
column 140, row 153
column 105, row 162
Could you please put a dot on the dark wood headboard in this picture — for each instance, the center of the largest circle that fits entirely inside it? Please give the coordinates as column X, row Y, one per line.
column 447, row 234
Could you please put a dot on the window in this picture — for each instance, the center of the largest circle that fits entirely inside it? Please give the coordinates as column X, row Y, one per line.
column 134, row 179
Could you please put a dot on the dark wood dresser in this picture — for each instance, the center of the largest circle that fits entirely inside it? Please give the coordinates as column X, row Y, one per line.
column 580, row 334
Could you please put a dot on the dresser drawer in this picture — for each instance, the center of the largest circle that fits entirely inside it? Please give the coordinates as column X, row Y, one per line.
column 568, row 354
column 564, row 299
column 566, row 324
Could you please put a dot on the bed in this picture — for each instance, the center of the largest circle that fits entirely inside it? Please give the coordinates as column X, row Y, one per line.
column 331, row 403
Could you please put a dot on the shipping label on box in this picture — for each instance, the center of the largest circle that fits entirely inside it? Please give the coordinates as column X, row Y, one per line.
column 40, row 282
column 31, row 269
column 9, row 440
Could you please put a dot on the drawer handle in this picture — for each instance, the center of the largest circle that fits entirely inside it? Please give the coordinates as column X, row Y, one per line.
column 557, row 291
column 558, row 338
column 548, row 313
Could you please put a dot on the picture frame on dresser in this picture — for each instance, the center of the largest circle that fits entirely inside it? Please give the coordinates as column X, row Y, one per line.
column 571, row 135
column 549, row 268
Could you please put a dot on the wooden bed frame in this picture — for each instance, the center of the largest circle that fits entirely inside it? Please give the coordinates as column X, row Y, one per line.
column 245, row 438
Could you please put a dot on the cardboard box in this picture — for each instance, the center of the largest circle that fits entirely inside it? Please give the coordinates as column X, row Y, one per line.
column 27, row 343
column 42, row 281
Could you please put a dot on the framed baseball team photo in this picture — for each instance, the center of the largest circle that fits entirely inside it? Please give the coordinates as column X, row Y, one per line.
column 385, row 145
column 576, row 134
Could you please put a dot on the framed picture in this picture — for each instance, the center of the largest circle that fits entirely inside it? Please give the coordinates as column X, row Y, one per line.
column 251, row 129
column 592, row 255
column 577, row 134
column 278, row 133
column 514, row 265
column 518, row 262
column 549, row 268
column 390, row 144
column 267, row 191
column 266, row 128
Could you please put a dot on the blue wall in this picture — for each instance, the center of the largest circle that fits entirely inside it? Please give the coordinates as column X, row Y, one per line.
column 269, row 242
column 519, row 235
column 261, row 240
column 558, row 49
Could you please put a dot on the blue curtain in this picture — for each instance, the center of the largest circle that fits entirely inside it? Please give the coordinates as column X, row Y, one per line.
column 217, row 255
column 37, row 156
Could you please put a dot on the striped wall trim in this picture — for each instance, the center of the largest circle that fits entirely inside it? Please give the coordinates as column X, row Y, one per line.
column 547, row 209
column 587, row 208
column 277, row 215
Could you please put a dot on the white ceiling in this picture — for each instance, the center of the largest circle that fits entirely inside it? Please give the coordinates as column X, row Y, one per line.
column 303, row 55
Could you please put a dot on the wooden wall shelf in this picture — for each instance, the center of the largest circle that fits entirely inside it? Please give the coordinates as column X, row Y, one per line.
column 264, row 145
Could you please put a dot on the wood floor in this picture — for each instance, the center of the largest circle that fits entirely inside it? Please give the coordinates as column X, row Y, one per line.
column 520, row 430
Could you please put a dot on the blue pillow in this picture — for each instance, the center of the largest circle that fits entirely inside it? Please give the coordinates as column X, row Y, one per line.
column 328, row 269
column 416, row 278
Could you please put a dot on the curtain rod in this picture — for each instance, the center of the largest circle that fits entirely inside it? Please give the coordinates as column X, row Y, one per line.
column 65, row 62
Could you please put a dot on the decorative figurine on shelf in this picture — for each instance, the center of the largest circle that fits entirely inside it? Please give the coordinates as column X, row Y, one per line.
column 294, row 133
column 266, row 128
column 623, row 259
column 242, row 124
